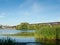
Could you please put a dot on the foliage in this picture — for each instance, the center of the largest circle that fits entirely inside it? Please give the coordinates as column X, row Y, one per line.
column 49, row 35
column 23, row 26
column 47, row 32
column 27, row 26
column 7, row 41
column 44, row 32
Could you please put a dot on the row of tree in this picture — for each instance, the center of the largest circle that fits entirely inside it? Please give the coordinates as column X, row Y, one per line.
column 24, row 26
column 27, row 26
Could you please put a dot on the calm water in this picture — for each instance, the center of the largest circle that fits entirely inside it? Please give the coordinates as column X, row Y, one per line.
column 18, row 38
column 14, row 31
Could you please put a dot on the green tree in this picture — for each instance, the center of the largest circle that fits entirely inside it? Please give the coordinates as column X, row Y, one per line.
column 22, row 26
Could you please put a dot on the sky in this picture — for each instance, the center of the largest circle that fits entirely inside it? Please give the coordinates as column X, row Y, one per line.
column 14, row 12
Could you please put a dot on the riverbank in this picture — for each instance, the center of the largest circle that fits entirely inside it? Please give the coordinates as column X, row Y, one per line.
column 20, row 34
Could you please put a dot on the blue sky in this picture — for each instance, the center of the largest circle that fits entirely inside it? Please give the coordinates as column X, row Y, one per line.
column 13, row 12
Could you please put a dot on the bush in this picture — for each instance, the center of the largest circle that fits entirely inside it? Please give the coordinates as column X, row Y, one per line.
column 7, row 41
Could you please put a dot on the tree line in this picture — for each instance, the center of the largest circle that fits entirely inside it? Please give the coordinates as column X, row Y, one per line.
column 27, row 26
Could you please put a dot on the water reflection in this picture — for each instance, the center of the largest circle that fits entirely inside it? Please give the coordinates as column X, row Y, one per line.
column 19, row 38
column 27, row 41
column 14, row 31
column 20, row 41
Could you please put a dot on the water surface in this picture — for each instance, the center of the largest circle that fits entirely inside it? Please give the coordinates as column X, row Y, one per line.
column 18, row 38
column 14, row 31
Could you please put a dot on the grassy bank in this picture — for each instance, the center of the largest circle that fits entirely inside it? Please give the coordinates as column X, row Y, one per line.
column 21, row 34
column 48, row 34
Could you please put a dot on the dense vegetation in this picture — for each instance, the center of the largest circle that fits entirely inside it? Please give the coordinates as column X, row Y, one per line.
column 49, row 34
column 49, row 31
column 27, row 26
column 7, row 41
column 24, row 26
column 44, row 32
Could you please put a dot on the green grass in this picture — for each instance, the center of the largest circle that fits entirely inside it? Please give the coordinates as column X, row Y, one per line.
column 48, row 34
column 21, row 34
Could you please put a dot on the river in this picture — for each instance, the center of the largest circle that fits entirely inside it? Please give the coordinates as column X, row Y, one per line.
column 18, row 38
